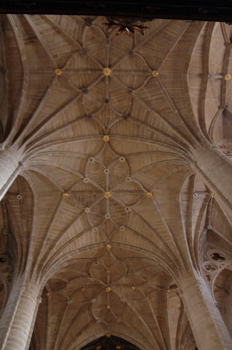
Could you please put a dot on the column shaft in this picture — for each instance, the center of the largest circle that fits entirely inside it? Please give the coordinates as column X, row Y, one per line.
column 9, row 168
column 205, row 319
column 217, row 173
column 18, row 318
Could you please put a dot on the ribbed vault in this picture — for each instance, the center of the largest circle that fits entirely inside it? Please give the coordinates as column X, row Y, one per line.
column 108, row 211
column 210, row 92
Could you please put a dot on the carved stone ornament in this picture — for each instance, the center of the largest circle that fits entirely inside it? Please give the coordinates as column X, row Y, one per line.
column 209, row 267
column 217, row 256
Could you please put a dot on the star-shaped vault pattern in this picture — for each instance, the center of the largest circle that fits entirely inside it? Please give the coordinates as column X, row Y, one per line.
column 108, row 211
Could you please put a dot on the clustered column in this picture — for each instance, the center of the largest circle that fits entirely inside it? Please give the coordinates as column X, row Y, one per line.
column 10, row 166
column 216, row 172
column 18, row 319
column 205, row 319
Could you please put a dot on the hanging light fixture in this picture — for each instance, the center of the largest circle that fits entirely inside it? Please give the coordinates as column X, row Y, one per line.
column 124, row 25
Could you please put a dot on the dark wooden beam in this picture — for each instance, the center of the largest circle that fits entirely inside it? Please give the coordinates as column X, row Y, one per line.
column 203, row 10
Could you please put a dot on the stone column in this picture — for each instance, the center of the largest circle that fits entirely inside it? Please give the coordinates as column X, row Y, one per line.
column 19, row 316
column 209, row 330
column 216, row 171
column 10, row 166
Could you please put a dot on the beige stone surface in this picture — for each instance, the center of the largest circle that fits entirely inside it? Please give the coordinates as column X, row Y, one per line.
column 119, row 213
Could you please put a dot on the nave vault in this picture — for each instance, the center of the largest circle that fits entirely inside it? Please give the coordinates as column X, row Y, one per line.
column 115, row 184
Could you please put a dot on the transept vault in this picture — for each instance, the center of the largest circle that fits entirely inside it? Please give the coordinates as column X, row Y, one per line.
column 115, row 183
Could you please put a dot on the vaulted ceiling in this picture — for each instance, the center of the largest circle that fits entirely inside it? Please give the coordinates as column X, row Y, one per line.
column 108, row 211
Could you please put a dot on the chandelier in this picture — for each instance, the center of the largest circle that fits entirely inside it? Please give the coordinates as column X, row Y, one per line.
column 125, row 25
